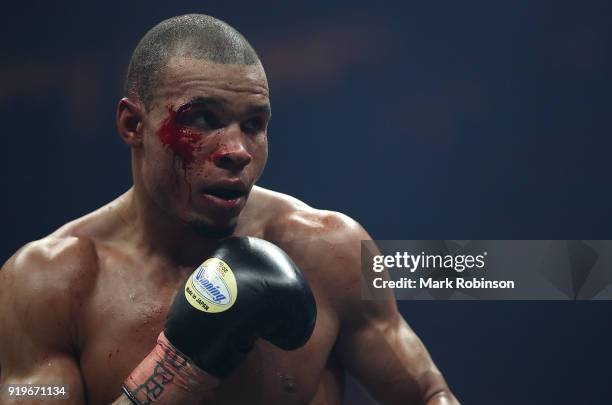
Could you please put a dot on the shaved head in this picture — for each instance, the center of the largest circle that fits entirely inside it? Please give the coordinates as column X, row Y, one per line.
column 194, row 36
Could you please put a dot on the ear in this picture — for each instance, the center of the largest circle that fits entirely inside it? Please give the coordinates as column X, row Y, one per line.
column 129, row 122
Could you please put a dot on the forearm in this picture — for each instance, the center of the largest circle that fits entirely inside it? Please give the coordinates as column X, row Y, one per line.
column 167, row 376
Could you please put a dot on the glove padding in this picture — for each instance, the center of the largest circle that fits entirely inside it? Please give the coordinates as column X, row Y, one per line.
column 272, row 301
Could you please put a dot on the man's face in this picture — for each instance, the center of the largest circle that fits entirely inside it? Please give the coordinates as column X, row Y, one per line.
column 205, row 142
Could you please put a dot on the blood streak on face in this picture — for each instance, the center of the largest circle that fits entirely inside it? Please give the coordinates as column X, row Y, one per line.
column 182, row 141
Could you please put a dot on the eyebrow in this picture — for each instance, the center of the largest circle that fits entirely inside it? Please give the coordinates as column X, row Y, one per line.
column 216, row 104
column 203, row 102
column 260, row 109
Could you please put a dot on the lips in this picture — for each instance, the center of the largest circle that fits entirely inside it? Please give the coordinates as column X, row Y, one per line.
column 224, row 193
column 227, row 190
column 227, row 196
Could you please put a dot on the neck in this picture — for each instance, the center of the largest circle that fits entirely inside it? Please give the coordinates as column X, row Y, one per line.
column 155, row 233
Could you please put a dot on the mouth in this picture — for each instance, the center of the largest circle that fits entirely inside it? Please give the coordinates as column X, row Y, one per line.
column 224, row 193
column 227, row 197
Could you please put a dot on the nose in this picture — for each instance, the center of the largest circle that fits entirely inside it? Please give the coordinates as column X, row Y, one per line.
column 231, row 153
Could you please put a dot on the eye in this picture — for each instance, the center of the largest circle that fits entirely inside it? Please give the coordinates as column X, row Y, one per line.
column 253, row 125
column 202, row 120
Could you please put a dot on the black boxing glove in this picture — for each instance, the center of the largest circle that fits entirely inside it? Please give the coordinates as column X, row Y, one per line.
column 248, row 288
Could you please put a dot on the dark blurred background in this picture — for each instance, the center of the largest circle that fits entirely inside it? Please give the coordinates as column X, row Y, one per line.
column 428, row 120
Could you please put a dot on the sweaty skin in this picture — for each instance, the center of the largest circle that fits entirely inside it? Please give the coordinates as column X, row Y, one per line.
column 84, row 305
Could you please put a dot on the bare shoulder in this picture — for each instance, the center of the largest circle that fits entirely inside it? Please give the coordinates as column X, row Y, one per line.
column 61, row 262
column 325, row 244
column 41, row 287
column 51, row 259
column 287, row 219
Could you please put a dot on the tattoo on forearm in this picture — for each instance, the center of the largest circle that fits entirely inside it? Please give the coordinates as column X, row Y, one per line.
column 163, row 374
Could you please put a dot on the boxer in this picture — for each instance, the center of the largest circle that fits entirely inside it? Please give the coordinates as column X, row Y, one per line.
column 170, row 294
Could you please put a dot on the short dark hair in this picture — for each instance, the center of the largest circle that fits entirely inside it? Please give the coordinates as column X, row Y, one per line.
column 197, row 36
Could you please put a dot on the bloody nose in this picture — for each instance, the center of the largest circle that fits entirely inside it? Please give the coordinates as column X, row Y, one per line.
column 232, row 158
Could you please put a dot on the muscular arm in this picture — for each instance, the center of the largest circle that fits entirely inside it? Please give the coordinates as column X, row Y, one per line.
column 37, row 326
column 36, row 329
column 375, row 344
column 387, row 357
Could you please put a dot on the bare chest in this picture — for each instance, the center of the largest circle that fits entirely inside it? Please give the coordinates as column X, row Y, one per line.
column 122, row 319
